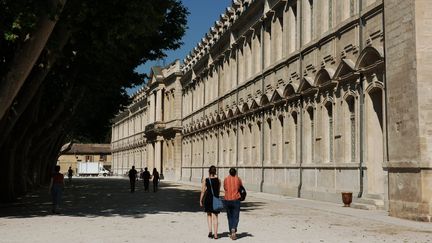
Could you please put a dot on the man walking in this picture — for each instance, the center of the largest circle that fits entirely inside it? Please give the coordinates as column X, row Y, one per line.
column 132, row 178
column 146, row 179
column 232, row 185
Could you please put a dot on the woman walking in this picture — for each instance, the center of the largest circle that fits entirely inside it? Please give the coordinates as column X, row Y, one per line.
column 56, row 189
column 210, row 187
column 232, row 185
column 156, row 179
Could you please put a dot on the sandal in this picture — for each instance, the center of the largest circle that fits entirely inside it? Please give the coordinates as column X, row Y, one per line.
column 233, row 235
column 210, row 235
column 215, row 237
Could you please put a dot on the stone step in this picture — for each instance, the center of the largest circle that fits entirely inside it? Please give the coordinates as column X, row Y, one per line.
column 368, row 203
column 364, row 206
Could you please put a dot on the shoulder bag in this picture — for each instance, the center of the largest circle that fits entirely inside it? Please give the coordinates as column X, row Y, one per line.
column 217, row 202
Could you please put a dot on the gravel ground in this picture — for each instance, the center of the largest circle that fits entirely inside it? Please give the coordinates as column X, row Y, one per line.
column 103, row 210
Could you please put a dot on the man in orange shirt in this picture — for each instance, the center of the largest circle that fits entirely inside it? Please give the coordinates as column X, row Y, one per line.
column 232, row 185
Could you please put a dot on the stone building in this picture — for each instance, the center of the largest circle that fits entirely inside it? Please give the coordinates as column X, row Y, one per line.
column 306, row 98
column 148, row 132
column 80, row 152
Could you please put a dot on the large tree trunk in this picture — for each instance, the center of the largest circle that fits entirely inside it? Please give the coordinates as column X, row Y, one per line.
column 11, row 152
column 25, row 59
column 34, row 81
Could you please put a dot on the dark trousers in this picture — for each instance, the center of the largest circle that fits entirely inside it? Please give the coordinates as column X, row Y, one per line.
column 155, row 185
column 146, row 185
column 56, row 193
column 233, row 213
column 132, row 184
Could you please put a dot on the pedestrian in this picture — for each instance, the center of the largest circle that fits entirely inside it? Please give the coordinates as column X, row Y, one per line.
column 146, row 179
column 70, row 173
column 56, row 189
column 232, row 185
column 132, row 178
column 156, row 179
column 210, row 187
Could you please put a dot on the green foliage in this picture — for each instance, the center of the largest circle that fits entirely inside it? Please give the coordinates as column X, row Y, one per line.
column 78, row 82
column 108, row 41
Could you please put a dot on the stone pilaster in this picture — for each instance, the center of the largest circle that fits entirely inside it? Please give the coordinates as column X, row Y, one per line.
column 408, row 75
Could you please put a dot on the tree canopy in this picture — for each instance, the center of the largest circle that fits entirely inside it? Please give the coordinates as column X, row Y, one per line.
column 65, row 67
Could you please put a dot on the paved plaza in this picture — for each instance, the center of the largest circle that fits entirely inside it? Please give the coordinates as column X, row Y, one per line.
column 103, row 210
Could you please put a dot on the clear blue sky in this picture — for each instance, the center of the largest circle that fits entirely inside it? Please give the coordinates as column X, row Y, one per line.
column 202, row 15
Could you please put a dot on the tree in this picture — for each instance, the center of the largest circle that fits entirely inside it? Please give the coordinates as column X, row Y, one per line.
column 79, row 80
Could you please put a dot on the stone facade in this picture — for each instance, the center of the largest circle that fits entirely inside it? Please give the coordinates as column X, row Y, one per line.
column 148, row 132
column 306, row 98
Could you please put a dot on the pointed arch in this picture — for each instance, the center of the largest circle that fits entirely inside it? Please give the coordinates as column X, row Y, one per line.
column 306, row 84
column 327, row 100
column 244, row 108
column 230, row 113
column 264, row 100
column 345, row 69
column 290, row 90
column 237, row 110
column 253, row 105
column 370, row 57
column 223, row 115
column 323, row 76
column 374, row 86
column 277, row 95
column 218, row 117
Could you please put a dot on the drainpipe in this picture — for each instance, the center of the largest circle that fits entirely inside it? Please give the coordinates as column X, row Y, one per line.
column 262, row 116
column 300, row 115
column 237, row 119
column 300, row 130
column 361, row 115
column 191, row 149
column 385, row 107
column 203, row 139
column 217, row 129
column 182, row 137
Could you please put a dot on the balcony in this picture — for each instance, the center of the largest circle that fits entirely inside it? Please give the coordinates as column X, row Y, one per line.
column 154, row 128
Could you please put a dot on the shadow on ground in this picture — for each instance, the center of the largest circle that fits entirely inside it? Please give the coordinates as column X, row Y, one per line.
column 108, row 197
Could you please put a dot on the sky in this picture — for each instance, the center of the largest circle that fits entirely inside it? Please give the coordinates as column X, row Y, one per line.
column 202, row 15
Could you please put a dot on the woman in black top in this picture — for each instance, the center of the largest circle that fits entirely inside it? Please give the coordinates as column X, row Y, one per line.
column 156, row 179
column 206, row 200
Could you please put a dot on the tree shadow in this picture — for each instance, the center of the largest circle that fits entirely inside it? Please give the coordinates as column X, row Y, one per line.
column 110, row 197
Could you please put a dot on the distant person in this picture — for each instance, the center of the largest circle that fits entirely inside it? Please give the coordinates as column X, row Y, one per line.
column 156, row 179
column 206, row 199
column 56, row 189
column 232, row 185
column 70, row 173
column 132, row 178
column 146, row 178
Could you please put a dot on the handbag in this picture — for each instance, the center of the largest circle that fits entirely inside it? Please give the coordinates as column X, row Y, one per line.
column 217, row 202
column 243, row 193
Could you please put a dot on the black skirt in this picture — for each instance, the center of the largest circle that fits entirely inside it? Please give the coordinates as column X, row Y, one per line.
column 208, row 199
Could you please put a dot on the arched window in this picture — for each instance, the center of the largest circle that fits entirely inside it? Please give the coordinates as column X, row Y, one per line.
column 279, row 139
column 241, row 144
column 309, row 135
column 328, row 139
column 375, row 139
column 350, row 129
column 256, row 144
column 267, row 141
column 233, row 147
